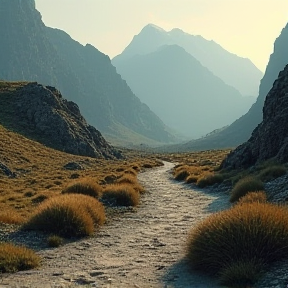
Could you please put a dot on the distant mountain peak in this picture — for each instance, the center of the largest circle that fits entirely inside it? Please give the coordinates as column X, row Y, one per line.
column 151, row 26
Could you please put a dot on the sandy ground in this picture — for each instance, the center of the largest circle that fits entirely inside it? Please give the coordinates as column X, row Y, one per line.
column 140, row 248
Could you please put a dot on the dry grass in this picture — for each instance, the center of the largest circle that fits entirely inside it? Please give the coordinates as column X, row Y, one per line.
column 251, row 197
column 15, row 258
column 41, row 176
column 238, row 236
column 84, row 186
column 245, row 185
column 120, row 195
column 210, row 179
column 68, row 215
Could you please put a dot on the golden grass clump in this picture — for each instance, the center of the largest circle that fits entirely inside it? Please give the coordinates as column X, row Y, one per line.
column 227, row 241
column 68, row 215
column 85, row 187
column 245, row 185
column 181, row 172
column 209, row 179
column 272, row 172
column 127, row 179
column 251, row 197
column 17, row 258
column 10, row 216
column 120, row 195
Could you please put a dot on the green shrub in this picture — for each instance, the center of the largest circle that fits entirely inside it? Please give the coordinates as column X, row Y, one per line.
column 85, row 187
column 272, row 172
column 55, row 241
column 227, row 241
column 245, row 185
column 68, row 215
column 120, row 195
column 17, row 258
column 251, row 197
column 209, row 180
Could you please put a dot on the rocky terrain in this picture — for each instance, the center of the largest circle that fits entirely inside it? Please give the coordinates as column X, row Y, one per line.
column 269, row 139
column 42, row 114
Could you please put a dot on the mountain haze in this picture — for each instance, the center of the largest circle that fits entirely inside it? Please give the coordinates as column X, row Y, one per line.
column 32, row 52
column 240, row 130
column 183, row 93
column 235, row 71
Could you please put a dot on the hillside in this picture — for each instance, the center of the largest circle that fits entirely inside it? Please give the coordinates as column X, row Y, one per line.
column 32, row 52
column 182, row 92
column 42, row 114
column 235, row 71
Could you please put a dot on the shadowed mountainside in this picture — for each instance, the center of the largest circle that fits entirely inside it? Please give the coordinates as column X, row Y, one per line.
column 32, row 52
column 269, row 138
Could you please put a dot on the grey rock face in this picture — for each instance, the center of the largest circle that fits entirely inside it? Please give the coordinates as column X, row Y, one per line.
column 42, row 114
column 270, row 137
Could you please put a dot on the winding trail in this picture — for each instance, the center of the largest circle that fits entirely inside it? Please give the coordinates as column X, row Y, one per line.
column 142, row 248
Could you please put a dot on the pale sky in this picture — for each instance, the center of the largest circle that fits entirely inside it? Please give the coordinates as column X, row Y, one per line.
column 247, row 28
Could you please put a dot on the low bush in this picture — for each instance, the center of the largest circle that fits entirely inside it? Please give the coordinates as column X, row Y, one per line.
column 209, row 179
column 245, row 185
column 120, row 195
column 228, row 241
column 251, row 197
column 68, row 215
column 85, row 187
column 55, row 241
column 272, row 172
column 17, row 258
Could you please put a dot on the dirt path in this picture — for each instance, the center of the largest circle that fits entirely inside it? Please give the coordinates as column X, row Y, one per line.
column 143, row 248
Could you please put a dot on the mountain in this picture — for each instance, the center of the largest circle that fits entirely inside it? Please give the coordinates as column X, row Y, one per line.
column 240, row 130
column 269, row 138
column 183, row 93
column 31, row 51
column 41, row 113
column 235, row 71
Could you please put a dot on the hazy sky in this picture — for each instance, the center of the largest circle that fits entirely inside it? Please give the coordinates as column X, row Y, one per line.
column 247, row 28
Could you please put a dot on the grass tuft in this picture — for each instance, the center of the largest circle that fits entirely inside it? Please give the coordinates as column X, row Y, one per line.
column 243, row 234
column 272, row 172
column 85, row 187
column 68, row 215
column 209, row 179
column 120, row 195
column 245, row 185
column 251, row 197
column 17, row 258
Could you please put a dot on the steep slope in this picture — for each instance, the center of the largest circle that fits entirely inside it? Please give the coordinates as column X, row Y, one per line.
column 185, row 95
column 269, row 138
column 40, row 113
column 236, row 71
column 32, row 52
column 240, row 131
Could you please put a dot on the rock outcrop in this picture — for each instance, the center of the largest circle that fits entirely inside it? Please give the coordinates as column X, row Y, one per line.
column 269, row 140
column 42, row 114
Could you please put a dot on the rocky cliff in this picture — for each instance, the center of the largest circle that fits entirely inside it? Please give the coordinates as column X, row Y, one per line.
column 42, row 114
column 269, row 140
column 30, row 51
